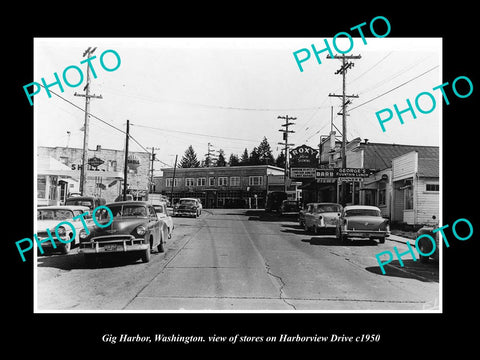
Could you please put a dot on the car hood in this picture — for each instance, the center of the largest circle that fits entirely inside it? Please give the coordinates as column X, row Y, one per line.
column 43, row 225
column 186, row 206
column 120, row 226
column 366, row 222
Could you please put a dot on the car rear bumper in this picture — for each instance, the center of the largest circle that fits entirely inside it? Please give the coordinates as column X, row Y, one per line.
column 113, row 244
column 365, row 233
column 184, row 212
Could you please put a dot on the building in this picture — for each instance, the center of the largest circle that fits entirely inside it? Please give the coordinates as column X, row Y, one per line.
column 403, row 182
column 104, row 175
column 224, row 187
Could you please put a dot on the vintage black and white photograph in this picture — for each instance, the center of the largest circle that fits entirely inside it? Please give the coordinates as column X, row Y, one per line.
column 235, row 174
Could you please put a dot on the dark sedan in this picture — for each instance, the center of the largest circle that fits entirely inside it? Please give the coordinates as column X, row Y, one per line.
column 135, row 228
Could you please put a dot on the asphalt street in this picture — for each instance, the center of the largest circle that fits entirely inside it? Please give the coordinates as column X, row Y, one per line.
column 229, row 260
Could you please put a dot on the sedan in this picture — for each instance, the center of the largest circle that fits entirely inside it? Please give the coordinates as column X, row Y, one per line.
column 187, row 206
column 162, row 213
column 321, row 217
column 362, row 221
column 135, row 228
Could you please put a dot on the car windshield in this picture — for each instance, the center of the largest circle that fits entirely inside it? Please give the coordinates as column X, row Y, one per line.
column 54, row 214
column 328, row 208
column 128, row 210
column 81, row 202
column 362, row 212
column 187, row 202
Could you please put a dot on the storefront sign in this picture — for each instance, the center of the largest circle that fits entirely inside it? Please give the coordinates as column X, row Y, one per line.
column 355, row 173
column 302, row 173
column 303, row 156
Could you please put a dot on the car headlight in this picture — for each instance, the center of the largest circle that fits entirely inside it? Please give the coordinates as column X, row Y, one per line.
column 61, row 231
column 140, row 230
column 83, row 234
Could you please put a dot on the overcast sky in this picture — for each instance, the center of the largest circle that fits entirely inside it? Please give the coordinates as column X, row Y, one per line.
column 229, row 92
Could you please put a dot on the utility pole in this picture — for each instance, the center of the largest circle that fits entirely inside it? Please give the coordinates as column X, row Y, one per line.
column 286, row 144
column 125, row 168
column 343, row 70
column 151, row 170
column 209, row 154
column 87, row 96
column 173, row 180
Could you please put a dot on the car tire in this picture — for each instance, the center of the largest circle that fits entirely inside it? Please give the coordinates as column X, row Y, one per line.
column 146, row 255
column 160, row 246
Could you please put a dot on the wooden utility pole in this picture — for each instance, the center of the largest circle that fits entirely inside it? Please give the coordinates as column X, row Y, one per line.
column 343, row 70
column 151, row 170
column 173, row 180
column 125, row 167
column 286, row 145
column 87, row 96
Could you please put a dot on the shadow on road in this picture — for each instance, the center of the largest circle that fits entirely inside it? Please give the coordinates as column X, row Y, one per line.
column 261, row 215
column 412, row 269
column 332, row 241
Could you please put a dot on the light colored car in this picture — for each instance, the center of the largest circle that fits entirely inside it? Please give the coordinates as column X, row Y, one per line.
column 163, row 214
column 187, row 206
column 321, row 217
column 362, row 221
column 48, row 217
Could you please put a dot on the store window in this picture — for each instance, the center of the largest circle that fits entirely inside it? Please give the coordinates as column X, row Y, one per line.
column 408, row 193
column 432, row 187
column 41, row 185
column 235, row 181
column 222, row 181
column 255, row 180
column 201, row 181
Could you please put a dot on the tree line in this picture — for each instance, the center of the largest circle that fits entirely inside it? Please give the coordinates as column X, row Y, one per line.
column 259, row 155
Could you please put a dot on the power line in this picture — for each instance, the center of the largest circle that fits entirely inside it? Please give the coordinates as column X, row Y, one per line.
column 395, row 88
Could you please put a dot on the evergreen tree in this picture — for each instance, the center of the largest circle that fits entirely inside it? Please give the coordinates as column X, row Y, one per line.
column 221, row 158
column 233, row 160
column 280, row 161
column 244, row 159
column 189, row 159
column 265, row 153
column 254, row 158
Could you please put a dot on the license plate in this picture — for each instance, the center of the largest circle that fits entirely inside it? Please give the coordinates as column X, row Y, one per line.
column 110, row 247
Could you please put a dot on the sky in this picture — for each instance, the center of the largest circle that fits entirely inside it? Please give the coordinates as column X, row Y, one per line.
column 178, row 92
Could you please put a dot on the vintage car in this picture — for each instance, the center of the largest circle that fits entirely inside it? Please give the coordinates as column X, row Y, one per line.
column 48, row 217
column 362, row 221
column 321, row 217
column 425, row 244
column 135, row 228
column 289, row 207
column 91, row 202
column 187, row 206
column 163, row 214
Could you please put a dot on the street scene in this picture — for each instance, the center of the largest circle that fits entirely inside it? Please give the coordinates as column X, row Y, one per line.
column 238, row 174
column 230, row 259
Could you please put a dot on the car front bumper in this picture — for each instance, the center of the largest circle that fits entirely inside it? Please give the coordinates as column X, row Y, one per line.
column 365, row 233
column 113, row 244
column 184, row 212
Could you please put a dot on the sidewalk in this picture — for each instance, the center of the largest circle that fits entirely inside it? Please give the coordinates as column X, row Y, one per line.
column 401, row 239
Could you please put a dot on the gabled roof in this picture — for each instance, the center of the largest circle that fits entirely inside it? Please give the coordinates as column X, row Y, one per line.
column 379, row 156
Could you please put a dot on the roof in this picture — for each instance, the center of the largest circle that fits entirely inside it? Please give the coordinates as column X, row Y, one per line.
column 362, row 207
column 379, row 156
column 129, row 202
column 63, row 207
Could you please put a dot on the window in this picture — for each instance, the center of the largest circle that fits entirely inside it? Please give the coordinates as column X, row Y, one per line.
column 255, row 180
column 408, row 193
column 189, row 182
column 433, row 187
column 41, row 184
column 201, row 181
column 211, row 181
column 222, row 181
column 168, row 182
column 235, row 181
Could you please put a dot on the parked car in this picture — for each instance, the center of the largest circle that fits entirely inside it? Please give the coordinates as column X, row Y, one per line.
column 135, row 228
column 274, row 200
column 291, row 207
column 90, row 201
column 48, row 217
column 321, row 217
column 163, row 214
column 362, row 221
column 425, row 244
column 187, row 206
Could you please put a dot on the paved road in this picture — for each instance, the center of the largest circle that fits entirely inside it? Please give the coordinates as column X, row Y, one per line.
column 241, row 260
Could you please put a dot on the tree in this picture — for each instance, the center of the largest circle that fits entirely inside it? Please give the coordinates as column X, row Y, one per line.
column 265, row 153
column 280, row 161
column 234, row 160
column 189, row 159
column 244, row 159
column 254, row 158
column 221, row 159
